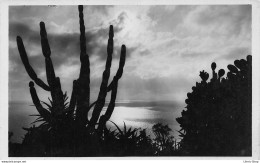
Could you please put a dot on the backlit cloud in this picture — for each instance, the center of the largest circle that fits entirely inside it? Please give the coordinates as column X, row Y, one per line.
column 167, row 46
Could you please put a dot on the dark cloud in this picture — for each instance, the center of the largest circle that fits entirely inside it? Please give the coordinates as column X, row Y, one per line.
column 18, row 77
column 65, row 49
column 16, row 28
column 63, row 46
column 37, row 62
column 23, row 30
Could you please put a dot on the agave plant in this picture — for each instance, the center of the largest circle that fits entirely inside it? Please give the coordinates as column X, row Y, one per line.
column 126, row 134
column 127, row 138
column 49, row 125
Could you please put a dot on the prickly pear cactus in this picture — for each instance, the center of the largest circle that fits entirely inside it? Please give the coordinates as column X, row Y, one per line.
column 217, row 120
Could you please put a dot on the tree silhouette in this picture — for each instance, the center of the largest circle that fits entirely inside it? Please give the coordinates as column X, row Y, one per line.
column 163, row 140
column 217, row 121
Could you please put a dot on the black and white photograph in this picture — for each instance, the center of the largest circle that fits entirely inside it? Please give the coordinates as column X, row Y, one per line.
column 129, row 80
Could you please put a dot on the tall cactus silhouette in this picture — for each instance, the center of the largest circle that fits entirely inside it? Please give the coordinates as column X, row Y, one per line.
column 76, row 114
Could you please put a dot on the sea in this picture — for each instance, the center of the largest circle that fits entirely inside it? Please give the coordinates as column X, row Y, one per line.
column 135, row 114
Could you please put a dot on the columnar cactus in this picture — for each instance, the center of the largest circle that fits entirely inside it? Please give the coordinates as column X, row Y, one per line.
column 77, row 111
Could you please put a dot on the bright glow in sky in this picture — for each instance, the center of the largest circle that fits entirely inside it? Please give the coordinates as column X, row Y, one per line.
column 167, row 46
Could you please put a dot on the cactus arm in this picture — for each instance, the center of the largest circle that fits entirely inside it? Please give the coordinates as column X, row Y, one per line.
column 104, row 118
column 27, row 65
column 53, row 81
column 57, row 96
column 73, row 98
column 44, row 41
column 84, row 76
column 47, row 53
column 103, row 88
column 119, row 72
column 113, row 86
column 43, row 112
column 90, row 106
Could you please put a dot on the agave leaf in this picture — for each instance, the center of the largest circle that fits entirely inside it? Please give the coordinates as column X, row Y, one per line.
column 48, row 105
column 116, row 134
column 40, row 117
column 26, row 129
column 43, row 124
column 90, row 106
column 124, row 128
column 66, row 98
column 46, row 114
column 50, row 101
column 40, row 120
column 129, row 130
column 65, row 95
column 113, row 130
column 66, row 104
column 117, row 128
column 113, row 133
column 37, row 119
column 133, row 133
column 127, row 135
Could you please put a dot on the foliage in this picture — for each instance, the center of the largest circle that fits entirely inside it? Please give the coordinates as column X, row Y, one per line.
column 217, row 121
column 118, row 142
column 163, row 141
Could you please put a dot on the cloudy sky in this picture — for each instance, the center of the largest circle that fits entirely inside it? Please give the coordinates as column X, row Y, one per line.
column 167, row 46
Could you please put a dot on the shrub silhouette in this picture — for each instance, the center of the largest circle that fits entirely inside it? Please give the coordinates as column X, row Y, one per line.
column 128, row 142
column 217, row 121
column 66, row 125
column 163, row 142
column 144, row 144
